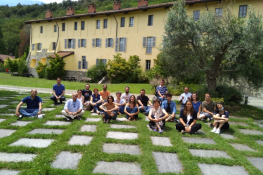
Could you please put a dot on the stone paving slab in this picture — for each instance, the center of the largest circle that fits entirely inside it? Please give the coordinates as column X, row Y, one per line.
column 260, row 121
column 46, row 131
column 209, row 153
column 122, row 149
column 251, row 132
column 200, row 131
column 259, row 124
column 260, row 142
column 9, row 172
column 13, row 110
column 122, row 135
column 7, row 114
column 8, row 97
column 238, row 123
column 93, row 120
column 215, row 169
column 121, row 126
column 1, row 120
column 94, row 114
column 2, row 99
column 198, row 140
column 118, row 168
column 80, row 140
column 227, row 136
column 3, row 106
column 167, row 162
column 244, row 118
column 48, row 109
column 257, row 162
column 161, row 141
column 37, row 143
column 54, row 104
column 16, row 157
column 57, row 123
column 6, row 132
column 122, row 119
column 149, row 128
column 21, row 123
column 67, row 160
column 88, row 128
column 14, row 102
column 241, row 147
column 59, row 116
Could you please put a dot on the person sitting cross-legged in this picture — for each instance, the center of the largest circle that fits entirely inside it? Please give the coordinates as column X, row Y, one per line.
column 109, row 110
column 143, row 102
column 73, row 108
column 96, row 101
column 208, row 107
column 161, row 91
column 87, row 96
column 132, row 109
column 104, row 94
column 34, row 106
column 157, row 116
column 120, row 103
column 221, row 118
column 188, row 117
column 170, row 107
column 58, row 92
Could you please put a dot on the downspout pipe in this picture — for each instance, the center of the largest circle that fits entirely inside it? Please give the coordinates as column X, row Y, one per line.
column 57, row 37
column 116, row 26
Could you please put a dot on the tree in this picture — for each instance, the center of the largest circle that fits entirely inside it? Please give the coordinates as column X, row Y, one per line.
column 215, row 45
column 55, row 68
column 2, row 43
column 16, row 53
column 24, row 38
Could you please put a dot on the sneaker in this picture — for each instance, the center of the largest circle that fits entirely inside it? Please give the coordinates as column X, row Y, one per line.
column 176, row 121
column 182, row 131
column 98, row 112
column 40, row 116
column 92, row 111
column 208, row 119
column 145, row 113
column 217, row 131
column 20, row 117
column 67, row 119
column 78, row 118
column 214, row 130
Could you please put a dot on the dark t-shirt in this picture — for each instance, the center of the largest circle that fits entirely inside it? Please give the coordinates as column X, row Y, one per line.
column 143, row 99
column 32, row 104
column 192, row 118
column 168, row 109
column 86, row 94
column 95, row 99
column 210, row 107
column 226, row 113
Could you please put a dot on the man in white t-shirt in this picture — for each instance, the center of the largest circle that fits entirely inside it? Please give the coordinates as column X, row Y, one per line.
column 120, row 103
column 73, row 108
column 184, row 97
column 126, row 96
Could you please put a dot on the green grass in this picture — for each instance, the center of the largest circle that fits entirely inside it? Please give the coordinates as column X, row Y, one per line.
column 7, row 79
column 93, row 153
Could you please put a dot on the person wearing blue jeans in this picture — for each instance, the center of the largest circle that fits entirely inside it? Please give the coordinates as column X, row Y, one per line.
column 132, row 109
column 143, row 102
column 34, row 106
column 120, row 103
column 170, row 107
column 109, row 110
column 96, row 101
column 161, row 91
column 58, row 92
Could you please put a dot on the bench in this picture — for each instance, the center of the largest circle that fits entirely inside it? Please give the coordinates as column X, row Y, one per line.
column 85, row 80
column 66, row 78
column 28, row 75
column 14, row 73
column 72, row 79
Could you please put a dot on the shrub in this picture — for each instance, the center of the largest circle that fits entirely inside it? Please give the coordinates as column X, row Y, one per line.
column 55, row 67
column 22, row 67
column 97, row 72
column 12, row 65
column 2, row 67
column 41, row 70
column 230, row 94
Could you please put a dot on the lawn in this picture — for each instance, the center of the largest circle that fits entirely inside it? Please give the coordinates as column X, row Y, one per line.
column 7, row 79
column 93, row 153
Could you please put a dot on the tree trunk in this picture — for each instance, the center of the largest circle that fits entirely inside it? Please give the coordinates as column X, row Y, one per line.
column 211, row 83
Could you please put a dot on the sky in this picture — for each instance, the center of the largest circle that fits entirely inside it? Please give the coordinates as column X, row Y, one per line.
column 26, row 2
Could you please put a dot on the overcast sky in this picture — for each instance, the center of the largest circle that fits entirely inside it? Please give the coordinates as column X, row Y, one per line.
column 26, row 2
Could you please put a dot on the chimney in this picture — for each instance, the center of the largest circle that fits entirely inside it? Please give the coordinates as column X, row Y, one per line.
column 70, row 11
column 142, row 3
column 117, row 5
column 48, row 14
column 92, row 8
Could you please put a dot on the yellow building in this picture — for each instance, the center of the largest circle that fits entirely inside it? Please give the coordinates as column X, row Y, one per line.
column 82, row 39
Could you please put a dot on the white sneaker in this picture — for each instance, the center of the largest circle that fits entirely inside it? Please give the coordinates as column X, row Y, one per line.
column 208, row 119
column 40, row 116
column 214, row 129
column 20, row 116
column 217, row 131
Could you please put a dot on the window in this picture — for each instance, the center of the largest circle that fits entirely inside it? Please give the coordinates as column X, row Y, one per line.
column 242, row 11
column 54, row 44
column 104, row 61
column 149, row 45
column 82, row 25
column 41, row 29
column 82, row 42
column 84, row 63
column 69, row 43
column 148, row 65
column 105, row 25
column 63, row 27
column 131, row 21
column 123, row 22
column 76, row 26
column 98, row 24
column 196, row 15
column 33, row 47
column 55, row 28
column 39, row 45
column 122, row 45
column 98, row 42
column 150, row 20
column 219, row 12
column 109, row 42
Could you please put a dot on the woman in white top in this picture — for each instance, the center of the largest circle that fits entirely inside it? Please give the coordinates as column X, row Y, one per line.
column 120, row 103
column 80, row 96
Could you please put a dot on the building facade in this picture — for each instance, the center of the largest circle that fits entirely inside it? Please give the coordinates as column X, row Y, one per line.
column 82, row 39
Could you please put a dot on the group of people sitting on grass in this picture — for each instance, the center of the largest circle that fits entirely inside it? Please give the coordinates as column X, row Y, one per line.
column 162, row 109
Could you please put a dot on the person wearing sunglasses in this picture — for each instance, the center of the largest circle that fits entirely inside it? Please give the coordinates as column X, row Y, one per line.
column 109, row 110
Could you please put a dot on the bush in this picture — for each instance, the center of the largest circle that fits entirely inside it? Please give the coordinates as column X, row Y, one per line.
column 22, row 67
column 41, row 70
column 230, row 94
column 2, row 67
column 55, row 67
column 12, row 65
column 97, row 72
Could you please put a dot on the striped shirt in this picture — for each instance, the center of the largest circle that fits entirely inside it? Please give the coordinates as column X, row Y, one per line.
column 162, row 90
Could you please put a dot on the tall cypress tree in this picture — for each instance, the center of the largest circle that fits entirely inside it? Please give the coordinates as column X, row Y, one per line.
column 2, row 43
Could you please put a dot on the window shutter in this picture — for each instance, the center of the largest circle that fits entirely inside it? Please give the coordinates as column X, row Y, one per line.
column 144, row 42
column 33, row 47
column 116, row 45
column 104, row 61
column 73, row 44
column 93, row 42
column 97, row 61
column 79, row 43
column 99, row 42
column 154, row 39
column 124, row 45
column 111, row 42
column 85, row 65
column 106, row 42
column 40, row 45
column 84, row 42
column 65, row 44
column 79, row 66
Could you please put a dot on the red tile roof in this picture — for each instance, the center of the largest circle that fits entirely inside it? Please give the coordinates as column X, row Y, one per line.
column 168, row 4
column 62, row 54
column 3, row 57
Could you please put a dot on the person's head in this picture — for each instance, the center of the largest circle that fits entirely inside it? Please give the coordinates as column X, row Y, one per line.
column 132, row 99
column 33, row 92
column 194, row 97
column 58, row 80
column 118, row 94
column 74, row 96
column 220, row 106
column 104, row 87
column 127, row 89
column 79, row 92
column 110, row 99
column 162, row 82
column 186, row 90
column 207, row 97
column 156, row 103
column 169, row 96
column 95, row 91
column 87, row 86
column 142, row 92
column 188, row 107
